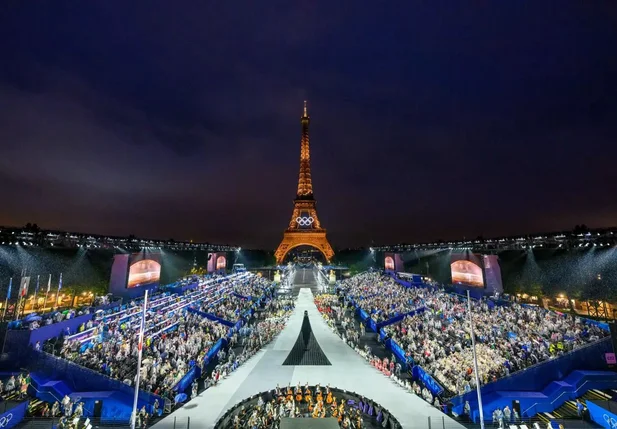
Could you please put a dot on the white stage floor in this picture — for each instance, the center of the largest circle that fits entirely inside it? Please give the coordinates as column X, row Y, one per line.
column 348, row 371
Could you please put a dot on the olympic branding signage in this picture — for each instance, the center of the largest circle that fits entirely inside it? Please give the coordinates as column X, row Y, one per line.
column 601, row 415
column 305, row 221
column 6, row 419
column 610, row 421
column 14, row 416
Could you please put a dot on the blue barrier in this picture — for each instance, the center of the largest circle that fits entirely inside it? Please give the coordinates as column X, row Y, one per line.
column 400, row 317
column 180, row 289
column 14, row 416
column 431, row 384
column 602, row 325
column 607, row 418
column 239, row 324
column 363, row 314
column 211, row 317
column 46, row 332
column 241, row 296
column 185, row 382
column 399, row 353
column 214, row 350
column 372, row 325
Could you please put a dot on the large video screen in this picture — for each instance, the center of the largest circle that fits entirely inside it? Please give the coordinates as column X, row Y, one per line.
column 467, row 273
column 389, row 263
column 144, row 270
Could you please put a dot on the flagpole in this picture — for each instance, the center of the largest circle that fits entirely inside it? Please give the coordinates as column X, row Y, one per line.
column 17, row 307
column 36, row 292
column 18, row 304
column 47, row 293
column 139, row 348
column 59, row 287
column 475, row 361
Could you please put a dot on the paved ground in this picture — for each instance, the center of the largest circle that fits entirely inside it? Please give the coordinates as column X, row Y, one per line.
column 264, row 370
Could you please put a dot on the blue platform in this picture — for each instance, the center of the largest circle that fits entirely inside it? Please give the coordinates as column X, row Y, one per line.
column 53, row 378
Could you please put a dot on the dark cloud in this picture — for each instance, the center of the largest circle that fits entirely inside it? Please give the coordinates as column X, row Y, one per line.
column 428, row 121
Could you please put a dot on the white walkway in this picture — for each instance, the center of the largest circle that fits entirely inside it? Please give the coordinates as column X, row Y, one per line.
column 348, row 371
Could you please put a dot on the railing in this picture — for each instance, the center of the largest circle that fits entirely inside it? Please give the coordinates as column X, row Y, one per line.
column 557, row 398
column 51, row 393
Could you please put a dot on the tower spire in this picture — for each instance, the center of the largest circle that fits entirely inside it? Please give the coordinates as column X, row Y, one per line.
column 305, row 184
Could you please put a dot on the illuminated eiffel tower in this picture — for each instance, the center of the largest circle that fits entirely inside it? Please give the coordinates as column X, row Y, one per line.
column 304, row 228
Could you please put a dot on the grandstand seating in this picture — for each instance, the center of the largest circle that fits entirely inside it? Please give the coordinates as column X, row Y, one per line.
column 54, row 377
column 541, row 388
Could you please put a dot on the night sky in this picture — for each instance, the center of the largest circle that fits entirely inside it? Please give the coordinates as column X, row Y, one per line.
column 428, row 119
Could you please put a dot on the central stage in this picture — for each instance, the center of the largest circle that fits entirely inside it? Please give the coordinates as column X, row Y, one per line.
column 287, row 423
column 348, row 371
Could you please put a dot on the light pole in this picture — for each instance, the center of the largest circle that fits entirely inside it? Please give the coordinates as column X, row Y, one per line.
column 475, row 361
column 139, row 348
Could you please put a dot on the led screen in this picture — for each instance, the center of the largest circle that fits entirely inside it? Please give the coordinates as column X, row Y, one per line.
column 389, row 263
column 143, row 273
column 467, row 273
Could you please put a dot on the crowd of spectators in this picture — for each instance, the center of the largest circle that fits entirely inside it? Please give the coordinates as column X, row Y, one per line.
column 509, row 338
column 230, row 308
column 263, row 328
column 333, row 313
column 380, row 295
column 166, row 358
column 35, row 320
column 253, row 287
column 175, row 338
column 236, row 301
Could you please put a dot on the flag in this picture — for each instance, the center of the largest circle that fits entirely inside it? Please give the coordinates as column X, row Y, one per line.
column 8, row 295
column 49, row 284
column 23, row 286
column 36, row 291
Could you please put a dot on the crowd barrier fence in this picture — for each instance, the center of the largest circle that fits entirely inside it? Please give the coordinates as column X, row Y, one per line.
column 14, row 416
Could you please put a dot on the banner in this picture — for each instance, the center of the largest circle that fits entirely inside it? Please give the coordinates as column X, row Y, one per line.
column 603, row 413
column 431, row 384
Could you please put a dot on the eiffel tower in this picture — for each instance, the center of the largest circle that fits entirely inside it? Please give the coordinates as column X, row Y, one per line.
column 304, row 228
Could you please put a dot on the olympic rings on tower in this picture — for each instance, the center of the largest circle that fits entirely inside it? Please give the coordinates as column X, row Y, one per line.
column 305, row 221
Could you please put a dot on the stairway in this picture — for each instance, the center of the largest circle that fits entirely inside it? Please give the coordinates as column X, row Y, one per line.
column 568, row 410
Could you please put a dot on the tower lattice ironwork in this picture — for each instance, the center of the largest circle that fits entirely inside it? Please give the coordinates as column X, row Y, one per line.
column 304, row 227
